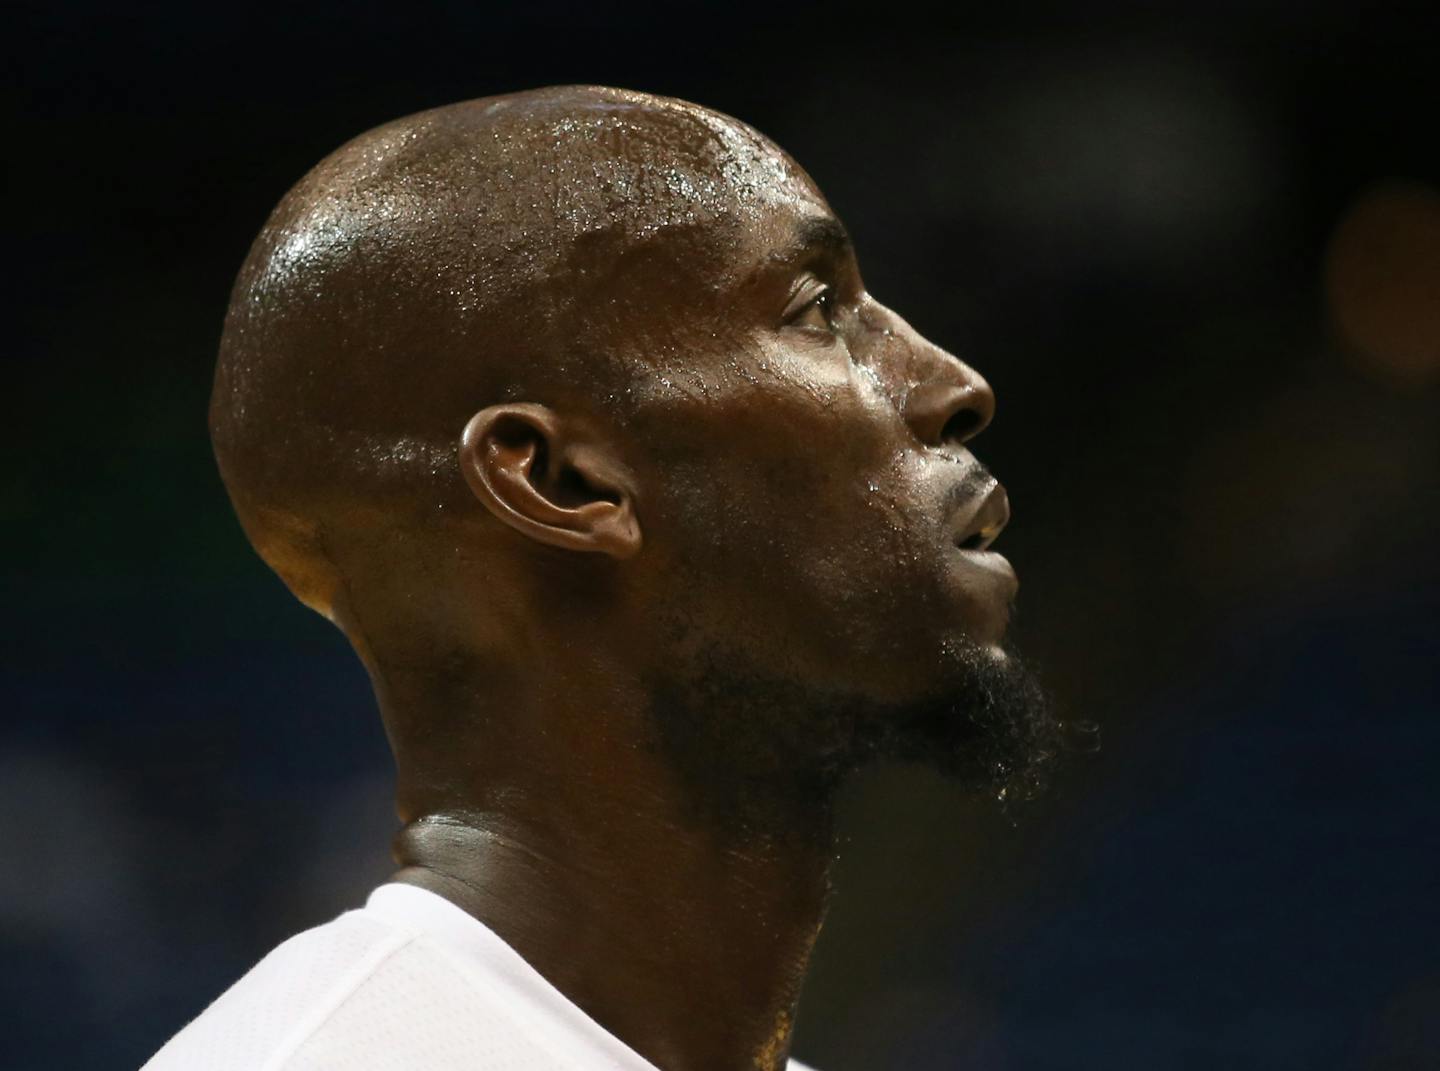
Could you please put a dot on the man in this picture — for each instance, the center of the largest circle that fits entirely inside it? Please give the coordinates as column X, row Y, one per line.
column 649, row 524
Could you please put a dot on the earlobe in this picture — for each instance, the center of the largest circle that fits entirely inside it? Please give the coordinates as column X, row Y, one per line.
column 534, row 471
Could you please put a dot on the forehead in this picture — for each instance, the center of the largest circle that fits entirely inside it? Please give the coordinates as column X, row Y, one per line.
column 655, row 172
column 554, row 191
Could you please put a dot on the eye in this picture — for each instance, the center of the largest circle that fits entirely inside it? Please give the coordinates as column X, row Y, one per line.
column 812, row 306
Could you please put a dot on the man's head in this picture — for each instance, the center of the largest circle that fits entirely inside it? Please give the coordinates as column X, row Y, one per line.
column 588, row 378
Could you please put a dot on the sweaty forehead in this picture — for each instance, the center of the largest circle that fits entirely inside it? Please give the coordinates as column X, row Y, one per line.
column 653, row 164
column 509, row 210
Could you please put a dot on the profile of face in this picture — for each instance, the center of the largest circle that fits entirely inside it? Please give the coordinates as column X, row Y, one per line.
column 820, row 531
column 640, row 384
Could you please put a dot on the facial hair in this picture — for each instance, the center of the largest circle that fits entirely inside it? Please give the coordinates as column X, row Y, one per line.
column 760, row 751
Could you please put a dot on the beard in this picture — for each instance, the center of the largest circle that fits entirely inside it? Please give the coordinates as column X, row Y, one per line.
column 761, row 752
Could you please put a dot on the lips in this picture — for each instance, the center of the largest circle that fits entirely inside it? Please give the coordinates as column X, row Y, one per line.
column 978, row 525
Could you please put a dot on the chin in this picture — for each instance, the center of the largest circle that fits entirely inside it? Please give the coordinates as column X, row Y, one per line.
column 999, row 651
column 991, row 727
column 985, row 638
column 994, row 634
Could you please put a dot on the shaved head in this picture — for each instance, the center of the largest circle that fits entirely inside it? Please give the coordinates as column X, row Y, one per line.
column 452, row 259
column 477, row 340
column 649, row 522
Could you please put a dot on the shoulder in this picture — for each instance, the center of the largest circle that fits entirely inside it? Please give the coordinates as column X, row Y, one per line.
column 279, row 1003
column 377, row 990
column 409, row 981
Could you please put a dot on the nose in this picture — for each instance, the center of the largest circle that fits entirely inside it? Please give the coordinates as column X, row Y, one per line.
column 952, row 403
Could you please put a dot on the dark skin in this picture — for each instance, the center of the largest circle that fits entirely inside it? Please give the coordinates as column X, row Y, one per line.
column 686, row 446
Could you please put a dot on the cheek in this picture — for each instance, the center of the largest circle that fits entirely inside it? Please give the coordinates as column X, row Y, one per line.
column 823, row 563
column 795, row 519
column 876, row 573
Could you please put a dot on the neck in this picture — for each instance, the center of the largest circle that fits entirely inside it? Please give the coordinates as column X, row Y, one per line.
column 684, row 933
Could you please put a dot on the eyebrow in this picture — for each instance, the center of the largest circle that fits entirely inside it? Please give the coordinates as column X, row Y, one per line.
column 815, row 236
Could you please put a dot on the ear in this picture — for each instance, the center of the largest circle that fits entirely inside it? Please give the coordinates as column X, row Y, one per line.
column 538, row 474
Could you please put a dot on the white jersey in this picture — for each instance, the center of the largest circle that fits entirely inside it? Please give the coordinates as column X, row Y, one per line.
column 409, row 981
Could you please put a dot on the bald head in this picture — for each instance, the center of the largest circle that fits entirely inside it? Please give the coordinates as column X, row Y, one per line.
column 648, row 521
column 480, row 357
column 505, row 249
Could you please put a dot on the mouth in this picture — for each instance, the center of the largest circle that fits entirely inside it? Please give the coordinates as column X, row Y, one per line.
column 980, row 525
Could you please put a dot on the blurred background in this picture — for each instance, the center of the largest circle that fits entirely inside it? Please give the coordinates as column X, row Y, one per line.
column 1196, row 250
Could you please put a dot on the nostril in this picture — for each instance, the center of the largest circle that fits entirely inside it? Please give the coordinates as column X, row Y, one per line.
column 946, row 411
column 961, row 426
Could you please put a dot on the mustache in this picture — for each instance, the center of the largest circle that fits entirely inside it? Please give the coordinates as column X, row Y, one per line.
column 976, row 480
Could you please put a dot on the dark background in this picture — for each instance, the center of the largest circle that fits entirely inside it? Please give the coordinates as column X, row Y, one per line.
column 1195, row 249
